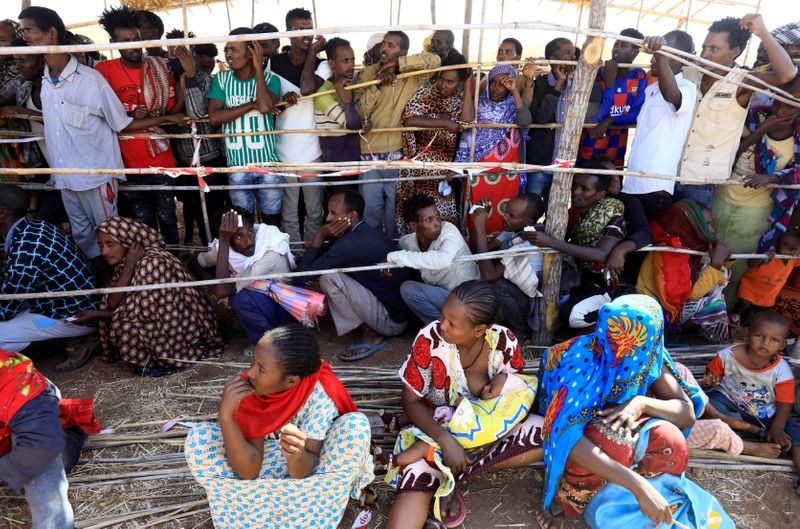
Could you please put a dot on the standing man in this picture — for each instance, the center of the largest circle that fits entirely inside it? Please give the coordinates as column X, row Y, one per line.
column 146, row 88
column 195, row 85
column 300, row 72
column 662, row 125
column 442, row 43
column 510, row 50
column 718, row 120
column 82, row 116
column 623, row 97
column 243, row 99
column 382, row 106
column 337, row 111
column 151, row 27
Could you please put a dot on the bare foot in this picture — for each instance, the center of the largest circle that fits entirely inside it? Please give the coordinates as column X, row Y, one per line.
column 548, row 519
column 769, row 450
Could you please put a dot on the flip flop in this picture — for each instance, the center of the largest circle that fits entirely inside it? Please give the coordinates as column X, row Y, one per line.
column 86, row 345
column 368, row 349
column 461, row 515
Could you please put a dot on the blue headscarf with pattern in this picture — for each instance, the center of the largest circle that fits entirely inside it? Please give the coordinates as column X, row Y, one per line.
column 489, row 111
column 581, row 376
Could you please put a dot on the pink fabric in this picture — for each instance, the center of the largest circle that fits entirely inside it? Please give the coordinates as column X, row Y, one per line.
column 713, row 434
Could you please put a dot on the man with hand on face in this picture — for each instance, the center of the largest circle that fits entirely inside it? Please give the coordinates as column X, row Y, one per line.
column 244, row 250
column 719, row 117
column 358, row 300
column 243, row 99
column 269, row 47
column 146, row 88
column 382, row 106
column 338, row 111
column 442, row 43
column 300, row 72
column 82, row 115
column 623, row 97
column 662, row 125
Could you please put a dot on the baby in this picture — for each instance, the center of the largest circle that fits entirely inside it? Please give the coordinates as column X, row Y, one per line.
column 501, row 384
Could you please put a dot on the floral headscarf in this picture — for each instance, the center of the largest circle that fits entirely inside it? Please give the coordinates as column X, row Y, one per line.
column 580, row 377
column 486, row 139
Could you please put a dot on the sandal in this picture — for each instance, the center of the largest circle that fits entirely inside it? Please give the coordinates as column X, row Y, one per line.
column 360, row 351
column 79, row 351
column 389, row 421
column 797, row 487
column 460, row 515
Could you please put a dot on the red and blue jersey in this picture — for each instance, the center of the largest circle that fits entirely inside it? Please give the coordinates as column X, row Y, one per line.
column 622, row 102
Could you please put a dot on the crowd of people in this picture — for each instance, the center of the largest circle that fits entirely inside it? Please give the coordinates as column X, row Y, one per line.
column 409, row 234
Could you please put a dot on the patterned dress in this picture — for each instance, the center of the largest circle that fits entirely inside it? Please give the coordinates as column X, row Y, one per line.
column 156, row 328
column 273, row 500
column 433, row 371
column 428, row 146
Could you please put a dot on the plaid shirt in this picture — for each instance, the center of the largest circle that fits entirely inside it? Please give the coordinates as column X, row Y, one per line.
column 41, row 258
column 20, row 90
column 197, row 88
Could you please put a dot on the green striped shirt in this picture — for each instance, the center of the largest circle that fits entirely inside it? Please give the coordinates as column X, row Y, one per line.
column 244, row 150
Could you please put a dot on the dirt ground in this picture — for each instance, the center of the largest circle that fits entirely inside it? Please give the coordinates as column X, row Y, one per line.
column 505, row 499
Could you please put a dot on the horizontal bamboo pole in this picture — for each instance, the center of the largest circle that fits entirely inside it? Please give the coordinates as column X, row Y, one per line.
column 380, row 266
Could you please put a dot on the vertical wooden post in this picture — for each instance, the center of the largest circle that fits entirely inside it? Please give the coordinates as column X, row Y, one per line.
column 433, row 11
column 567, row 150
column 467, row 20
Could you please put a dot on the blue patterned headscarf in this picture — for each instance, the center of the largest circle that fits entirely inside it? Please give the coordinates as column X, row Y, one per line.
column 580, row 377
column 489, row 112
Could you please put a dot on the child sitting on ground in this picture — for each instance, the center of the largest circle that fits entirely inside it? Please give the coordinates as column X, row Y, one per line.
column 752, row 383
column 501, row 384
column 764, row 279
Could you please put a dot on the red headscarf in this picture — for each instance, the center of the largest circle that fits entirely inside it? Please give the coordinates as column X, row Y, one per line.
column 20, row 383
column 258, row 416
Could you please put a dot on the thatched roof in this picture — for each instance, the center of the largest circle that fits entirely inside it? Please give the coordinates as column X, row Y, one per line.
column 163, row 5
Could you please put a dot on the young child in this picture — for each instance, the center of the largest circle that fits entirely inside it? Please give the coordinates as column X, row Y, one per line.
column 764, row 280
column 501, row 384
column 751, row 382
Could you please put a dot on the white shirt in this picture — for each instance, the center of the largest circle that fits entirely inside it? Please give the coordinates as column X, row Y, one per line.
column 436, row 265
column 299, row 147
column 660, row 134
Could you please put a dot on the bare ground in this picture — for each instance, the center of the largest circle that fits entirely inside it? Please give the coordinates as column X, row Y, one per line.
column 505, row 499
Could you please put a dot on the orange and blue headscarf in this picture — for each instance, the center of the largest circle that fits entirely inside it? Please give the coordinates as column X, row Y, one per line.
column 581, row 376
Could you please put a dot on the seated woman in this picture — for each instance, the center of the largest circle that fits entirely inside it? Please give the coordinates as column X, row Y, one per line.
column 321, row 454
column 436, row 105
column 152, row 330
column 614, row 409
column 452, row 358
column 497, row 103
column 596, row 225
column 742, row 213
column 688, row 287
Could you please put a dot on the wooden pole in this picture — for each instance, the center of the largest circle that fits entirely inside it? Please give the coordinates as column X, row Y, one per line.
column 467, row 20
column 433, row 11
column 567, row 150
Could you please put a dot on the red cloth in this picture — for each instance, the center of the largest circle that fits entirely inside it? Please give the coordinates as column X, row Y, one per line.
column 80, row 413
column 127, row 83
column 259, row 415
column 667, row 453
column 19, row 384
